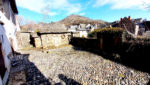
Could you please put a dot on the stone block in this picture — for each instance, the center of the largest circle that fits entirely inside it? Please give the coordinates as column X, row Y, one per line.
column 54, row 40
column 37, row 42
column 23, row 40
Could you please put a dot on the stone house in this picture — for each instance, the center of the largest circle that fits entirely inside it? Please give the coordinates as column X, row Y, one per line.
column 8, row 43
column 24, row 40
column 52, row 39
column 52, row 35
column 49, row 35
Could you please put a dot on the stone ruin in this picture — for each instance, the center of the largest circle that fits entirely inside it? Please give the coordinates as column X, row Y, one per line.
column 43, row 40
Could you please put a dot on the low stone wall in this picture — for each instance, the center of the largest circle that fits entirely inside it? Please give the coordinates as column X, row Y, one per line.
column 76, row 34
column 54, row 40
column 37, row 42
column 23, row 40
column 86, row 43
column 45, row 40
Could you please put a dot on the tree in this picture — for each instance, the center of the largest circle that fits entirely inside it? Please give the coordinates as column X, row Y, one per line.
column 20, row 20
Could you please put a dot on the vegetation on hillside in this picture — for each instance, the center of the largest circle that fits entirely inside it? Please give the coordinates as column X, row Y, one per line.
column 60, row 26
column 77, row 19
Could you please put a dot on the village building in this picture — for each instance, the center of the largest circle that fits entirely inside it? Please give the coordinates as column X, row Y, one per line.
column 8, row 43
column 147, row 25
column 73, row 28
column 49, row 35
column 82, row 30
column 135, row 26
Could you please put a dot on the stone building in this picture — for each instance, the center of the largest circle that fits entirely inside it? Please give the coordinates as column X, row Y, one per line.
column 55, row 39
column 24, row 40
column 8, row 43
column 49, row 35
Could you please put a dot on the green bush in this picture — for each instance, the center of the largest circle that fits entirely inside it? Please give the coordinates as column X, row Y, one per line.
column 110, row 30
column 106, row 31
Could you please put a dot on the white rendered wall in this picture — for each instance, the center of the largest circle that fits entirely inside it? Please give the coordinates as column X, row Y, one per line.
column 83, row 33
column 10, row 29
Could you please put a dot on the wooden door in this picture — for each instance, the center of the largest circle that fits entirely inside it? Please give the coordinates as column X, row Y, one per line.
column 2, row 66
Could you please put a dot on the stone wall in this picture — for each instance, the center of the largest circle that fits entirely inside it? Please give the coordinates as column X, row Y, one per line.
column 37, row 42
column 43, row 40
column 76, row 34
column 23, row 40
column 54, row 40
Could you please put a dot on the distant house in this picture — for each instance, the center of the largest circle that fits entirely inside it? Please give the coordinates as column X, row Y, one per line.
column 82, row 29
column 82, row 25
column 135, row 26
column 147, row 28
column 73, row 28
column 8, row 28
column 138, row 20
column 142, row 25
column 83, row 32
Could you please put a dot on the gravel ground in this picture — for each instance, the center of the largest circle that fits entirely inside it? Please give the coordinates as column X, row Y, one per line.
column 66, row 66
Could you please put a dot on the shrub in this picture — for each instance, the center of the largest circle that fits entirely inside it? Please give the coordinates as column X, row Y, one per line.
column 110, row 31
column 106, row 31
column 37, row 30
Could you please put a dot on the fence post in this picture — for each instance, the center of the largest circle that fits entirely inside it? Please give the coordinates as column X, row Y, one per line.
column 101, row 43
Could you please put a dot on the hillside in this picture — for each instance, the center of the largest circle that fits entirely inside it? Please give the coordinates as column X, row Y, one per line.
column 60, row 25
column 77, row 19
column 44, row 27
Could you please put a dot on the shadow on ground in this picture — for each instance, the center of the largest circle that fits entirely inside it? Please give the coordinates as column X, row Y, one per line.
column 68, row 81
column 34, row 76
column 137, row 60
column 32, row 73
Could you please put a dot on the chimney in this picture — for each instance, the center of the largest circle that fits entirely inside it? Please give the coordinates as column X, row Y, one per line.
column 121, row 20
column 129, row 18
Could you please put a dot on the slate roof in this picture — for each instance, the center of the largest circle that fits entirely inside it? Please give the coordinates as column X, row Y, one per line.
column 53, row 28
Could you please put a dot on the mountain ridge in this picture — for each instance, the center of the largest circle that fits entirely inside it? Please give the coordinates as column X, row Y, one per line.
column 77, row 19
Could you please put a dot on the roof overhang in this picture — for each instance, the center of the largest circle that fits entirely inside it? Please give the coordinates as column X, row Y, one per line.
column 13, row 6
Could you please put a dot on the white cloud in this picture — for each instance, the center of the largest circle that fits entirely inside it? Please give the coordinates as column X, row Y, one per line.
column 45, row 6
column 82, row 14
column 74, row 9
column 123, row 4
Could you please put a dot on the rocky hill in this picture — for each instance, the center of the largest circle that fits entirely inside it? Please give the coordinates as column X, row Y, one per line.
column 60, row 26
column 77, row 19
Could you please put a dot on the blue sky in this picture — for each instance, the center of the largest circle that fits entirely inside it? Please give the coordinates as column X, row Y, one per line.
column 107, row 10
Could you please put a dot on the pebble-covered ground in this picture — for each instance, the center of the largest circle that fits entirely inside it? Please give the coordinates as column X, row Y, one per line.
column 66, row 66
